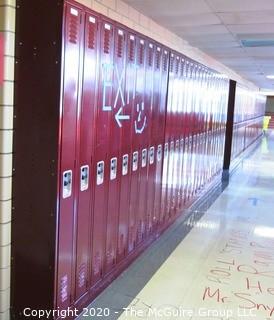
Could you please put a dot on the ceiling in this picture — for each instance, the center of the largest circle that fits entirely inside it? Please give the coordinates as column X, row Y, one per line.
column 218, row 28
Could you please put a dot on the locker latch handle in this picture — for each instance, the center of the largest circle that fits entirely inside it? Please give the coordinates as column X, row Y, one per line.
column 144, row 158
column 100, row 172
column 67, row 184
column 113, row 168
column 135, row 161
column 151, row 155
column 125, row 165
column 84, row 171
column 159, row 153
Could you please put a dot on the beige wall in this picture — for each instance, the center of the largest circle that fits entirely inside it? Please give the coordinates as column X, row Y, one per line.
column 7, row 27
column 121, row 12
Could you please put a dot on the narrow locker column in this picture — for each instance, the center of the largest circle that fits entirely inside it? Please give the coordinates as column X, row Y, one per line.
column 101, row 153
column 154, row 152
column 140, row 138
column 136, row 106
column 169, row 135
column 129, row 87
column 70, row 101
column 85, row 175
column 160, row 137
column 119, row 118
column 147, row 198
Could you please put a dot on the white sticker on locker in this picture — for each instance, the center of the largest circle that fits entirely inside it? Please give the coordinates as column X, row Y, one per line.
column 92, row 19
column 74, row 12
column 113, row 168
column 100, row 172
column 144, row 158
column 166, row 150
column 67, row 184
column 107, row 26
column 135, row 161
column 125, row 165
column 151, row 155
column 84, row 177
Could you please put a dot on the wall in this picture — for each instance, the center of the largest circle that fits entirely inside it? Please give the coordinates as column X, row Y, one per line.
column 7, row 27
column 123, row 13
column 270, row 104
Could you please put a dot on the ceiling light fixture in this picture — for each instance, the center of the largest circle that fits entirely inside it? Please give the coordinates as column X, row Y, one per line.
column 270, row 76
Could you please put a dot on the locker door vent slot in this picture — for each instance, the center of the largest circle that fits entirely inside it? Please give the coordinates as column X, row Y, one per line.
column 141, row 51
column 131, row 48
column 91, row 33
column 158, row 59
column 165, row 60
column 177, row 65
column 150, row 55
column 107, row 31
column 73, row 26
column 120, row 43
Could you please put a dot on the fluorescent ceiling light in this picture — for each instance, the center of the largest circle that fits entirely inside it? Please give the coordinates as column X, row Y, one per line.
column 270, row 76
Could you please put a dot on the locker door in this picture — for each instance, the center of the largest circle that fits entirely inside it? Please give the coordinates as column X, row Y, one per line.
column 154, row 148
column 101, row 165
column 118, row 120
column 137, row 129
column 83, row 209
column 126, row 148
column 70, row 100
column 161, row 159
column 143, row 137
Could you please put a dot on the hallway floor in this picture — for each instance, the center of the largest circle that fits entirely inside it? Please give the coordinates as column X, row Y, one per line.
column 224, row 268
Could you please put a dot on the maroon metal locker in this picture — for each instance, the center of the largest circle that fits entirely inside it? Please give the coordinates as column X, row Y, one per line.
column 138, row 128
column 161, row 169
column 141, row 136
column 155, row 149
column 118, row 119
column 101, row 165
column 176, row 135
column 84, row 182
column 71, row 52
column 126, row 148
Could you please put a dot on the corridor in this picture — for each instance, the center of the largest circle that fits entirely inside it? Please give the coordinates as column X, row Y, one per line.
column 224, row 268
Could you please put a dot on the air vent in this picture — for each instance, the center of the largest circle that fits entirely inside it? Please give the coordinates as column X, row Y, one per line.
column 257, row 43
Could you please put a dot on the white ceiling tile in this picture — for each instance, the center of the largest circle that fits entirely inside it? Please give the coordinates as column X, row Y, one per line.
column 240, row 5
column 201, row 30
column 222, row 37
column 261, row 52
column 247, row 17
column 188, row 20
column 251, row 28
column 153, row 8
column 215, row 44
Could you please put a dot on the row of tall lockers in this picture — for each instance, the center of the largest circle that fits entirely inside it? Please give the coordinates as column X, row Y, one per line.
column 139, row 158
column 124, row 134
column 248, row 119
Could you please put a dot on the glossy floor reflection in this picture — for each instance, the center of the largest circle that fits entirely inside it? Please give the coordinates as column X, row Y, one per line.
column 224, row 268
